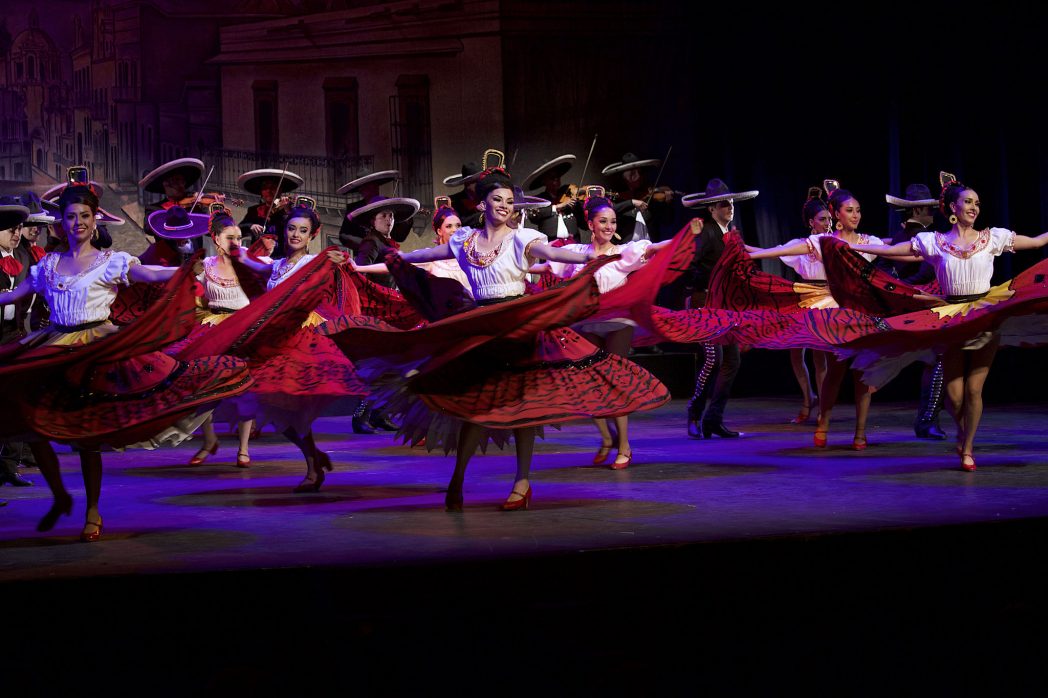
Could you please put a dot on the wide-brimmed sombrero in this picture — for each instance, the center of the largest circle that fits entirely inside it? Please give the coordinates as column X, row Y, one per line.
column 176, row 223
column 630, row 162
column 523, row 202
column 38, row 213
column 716, row 190
column 379, row 178
column 53, row 194
column 556, row 167
column 12, row 215
column 251, row 182
column 916, row 195
column 403, row 208
column 471, row 172
column 191, row 170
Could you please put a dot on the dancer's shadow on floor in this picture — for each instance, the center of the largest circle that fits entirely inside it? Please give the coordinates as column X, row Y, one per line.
column 282, row 496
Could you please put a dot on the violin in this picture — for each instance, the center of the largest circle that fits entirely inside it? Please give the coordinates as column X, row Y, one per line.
column 207, row 199
column 662, row 193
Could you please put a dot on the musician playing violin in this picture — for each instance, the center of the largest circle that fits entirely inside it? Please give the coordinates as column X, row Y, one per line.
column 636, row 194
column 269, row 185
column 559, row 220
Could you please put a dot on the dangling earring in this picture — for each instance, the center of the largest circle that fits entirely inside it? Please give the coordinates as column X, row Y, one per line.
column 839, row 226
column 953, row 219
column 94, row 236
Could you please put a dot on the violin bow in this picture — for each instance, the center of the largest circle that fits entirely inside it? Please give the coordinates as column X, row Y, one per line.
column 202, row 188
column 661, row 170
column 588, row 157
column 269, row 211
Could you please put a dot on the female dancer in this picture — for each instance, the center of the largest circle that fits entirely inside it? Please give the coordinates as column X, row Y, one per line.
column 126, row 391
column 223, row 295
column 616, row 334
column 499, row 367
column 963, row 261
column 445, row 222
column 846, row 211
column 296, row 378
column 816, row 214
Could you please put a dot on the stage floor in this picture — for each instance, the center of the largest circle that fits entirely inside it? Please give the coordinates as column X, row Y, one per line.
column 383, row 504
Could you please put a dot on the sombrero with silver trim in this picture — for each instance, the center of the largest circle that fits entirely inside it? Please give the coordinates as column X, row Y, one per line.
column 716, row 190
column 53, row 194
column 630, row 162
column 12, row 215
column 523, row 202
column 403, row 208
column 176, row 223
column 471, row 172
column 379, row 178
column 38, row 214
column 190, row 168
column 558, row 166
column 916, row 195
column 251, row 182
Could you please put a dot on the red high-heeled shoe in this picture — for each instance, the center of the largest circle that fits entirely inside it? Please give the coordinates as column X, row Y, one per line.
column 820, row 441
column 968, row 467
column 243, row 460
column 203, row 453
column 602, row 454
column 91, row 537
column 859, row 443
column 517, row 504
column 616, row 465
column 805, row 412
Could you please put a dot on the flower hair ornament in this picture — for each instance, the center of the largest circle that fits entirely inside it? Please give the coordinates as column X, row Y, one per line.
column 947, row 180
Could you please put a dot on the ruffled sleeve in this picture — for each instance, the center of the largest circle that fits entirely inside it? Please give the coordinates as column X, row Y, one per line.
column 117, row 268
column 37, row 276
column 815, row 247
column 922, row 245
column 633, row 255
column 1001, row 240
column 524, row 240
column 566, row 270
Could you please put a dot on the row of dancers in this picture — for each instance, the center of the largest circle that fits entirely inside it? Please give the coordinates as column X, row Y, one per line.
column 143, row 354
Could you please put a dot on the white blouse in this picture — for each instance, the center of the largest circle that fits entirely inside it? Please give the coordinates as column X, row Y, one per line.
column 963, row 271
column 282, row 271
column 809, row 266
column 221, row 292
column 498, row 275
column 85, row 297
column 611, row 275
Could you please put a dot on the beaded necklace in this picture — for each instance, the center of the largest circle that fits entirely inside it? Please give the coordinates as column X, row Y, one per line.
column 213, row 277
column 478, row 259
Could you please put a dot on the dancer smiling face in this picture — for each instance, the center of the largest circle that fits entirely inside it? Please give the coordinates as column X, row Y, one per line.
column 603, row 224
column 297, row 234
column 497, row 207
column 849, row 214
column 78, row 223
column 965, row 204
column 446, row 227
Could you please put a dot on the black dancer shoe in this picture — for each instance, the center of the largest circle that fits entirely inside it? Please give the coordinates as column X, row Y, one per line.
column 694, row 427
column 381, row 421
column 929, row 430
column 708, row 430
column 15, row 480
column 362, row 420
